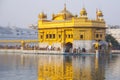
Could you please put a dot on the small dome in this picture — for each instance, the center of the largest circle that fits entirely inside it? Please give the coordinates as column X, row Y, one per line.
column 99, row 13
column 83, row 12
column 42, row 15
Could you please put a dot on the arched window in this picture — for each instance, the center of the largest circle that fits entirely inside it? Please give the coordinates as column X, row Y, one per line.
column 59, row 36
column 100, row 35
column 97, row 35
column 41, row 36
column 50, row 36
column 68, row 35
column 46, row 36
column 81, row 36
column 53, row 35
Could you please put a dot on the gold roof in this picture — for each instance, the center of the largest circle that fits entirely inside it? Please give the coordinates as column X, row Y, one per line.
column 83, row 12
column 65, row 13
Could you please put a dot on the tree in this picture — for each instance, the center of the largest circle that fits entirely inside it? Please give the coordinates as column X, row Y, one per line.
column 115, row 43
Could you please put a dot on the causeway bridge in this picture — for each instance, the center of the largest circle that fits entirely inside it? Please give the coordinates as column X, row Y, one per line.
column 19, row 44
column 18, row 41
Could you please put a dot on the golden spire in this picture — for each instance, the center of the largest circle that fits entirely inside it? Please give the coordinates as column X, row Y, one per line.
column 53, row 15
column 64, row 6
column 96, row 14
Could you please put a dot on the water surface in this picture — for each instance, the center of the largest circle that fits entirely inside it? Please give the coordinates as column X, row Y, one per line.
column 59, row 67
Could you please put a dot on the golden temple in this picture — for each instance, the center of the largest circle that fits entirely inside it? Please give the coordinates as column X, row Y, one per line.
column 66, row 31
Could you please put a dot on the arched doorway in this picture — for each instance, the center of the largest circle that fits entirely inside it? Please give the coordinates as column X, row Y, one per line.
column 68, row 46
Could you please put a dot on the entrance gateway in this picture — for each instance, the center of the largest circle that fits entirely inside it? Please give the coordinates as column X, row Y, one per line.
column 68, row 47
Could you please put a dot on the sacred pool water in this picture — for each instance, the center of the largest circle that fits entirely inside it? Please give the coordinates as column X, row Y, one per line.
column 59, row 67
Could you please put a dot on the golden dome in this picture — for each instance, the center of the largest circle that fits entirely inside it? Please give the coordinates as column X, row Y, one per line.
column 99, row 13
column 42, row 15
column 65, row 13
column 83, row 12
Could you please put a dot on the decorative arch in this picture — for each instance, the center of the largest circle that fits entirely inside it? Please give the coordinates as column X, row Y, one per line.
column 68, row 46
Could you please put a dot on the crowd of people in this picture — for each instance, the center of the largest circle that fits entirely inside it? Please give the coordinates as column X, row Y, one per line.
column 29, row 47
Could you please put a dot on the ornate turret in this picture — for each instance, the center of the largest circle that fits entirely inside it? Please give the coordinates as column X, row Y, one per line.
column 42, row 16
column 83, row 13
column 99, row 15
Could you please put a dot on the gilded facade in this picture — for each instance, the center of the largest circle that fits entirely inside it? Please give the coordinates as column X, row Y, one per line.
column 73, row 31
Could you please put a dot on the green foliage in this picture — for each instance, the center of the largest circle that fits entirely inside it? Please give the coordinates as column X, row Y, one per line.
column 115, row 43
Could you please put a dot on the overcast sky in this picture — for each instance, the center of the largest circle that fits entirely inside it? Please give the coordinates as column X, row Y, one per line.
column 22, row 13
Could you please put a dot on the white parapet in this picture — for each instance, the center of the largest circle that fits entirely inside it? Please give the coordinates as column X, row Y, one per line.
column 43, row 45
column 87, row 44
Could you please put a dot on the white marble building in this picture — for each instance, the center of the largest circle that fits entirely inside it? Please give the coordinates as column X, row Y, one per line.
column 115, row 32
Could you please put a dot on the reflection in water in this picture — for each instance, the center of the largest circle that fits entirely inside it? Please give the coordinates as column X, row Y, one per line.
column 71, row 68
column 59, row 67
column 54, row 68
